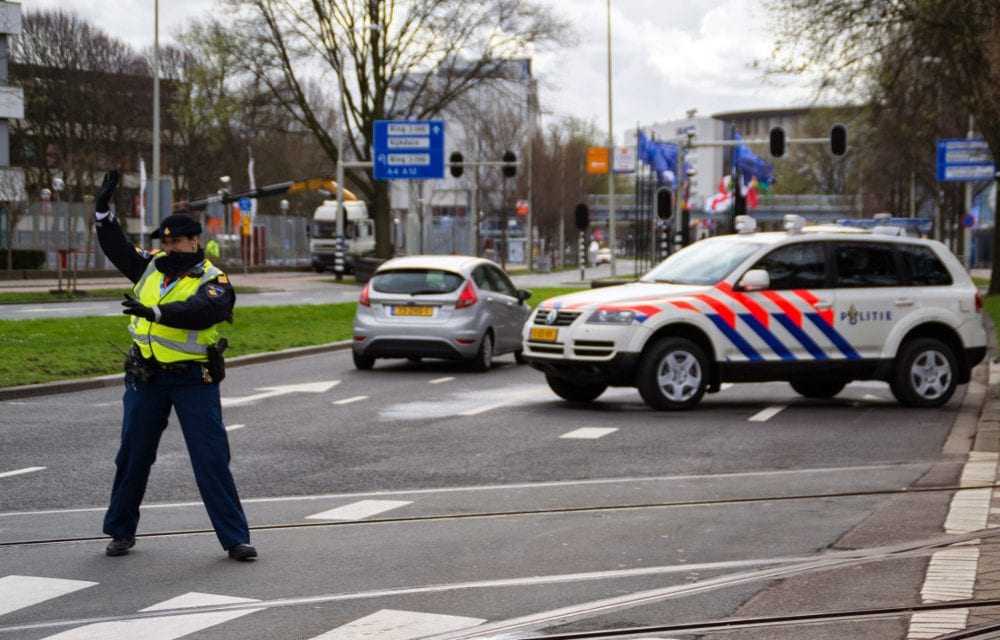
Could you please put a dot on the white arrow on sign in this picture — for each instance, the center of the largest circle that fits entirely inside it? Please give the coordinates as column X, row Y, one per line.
column 270, row 392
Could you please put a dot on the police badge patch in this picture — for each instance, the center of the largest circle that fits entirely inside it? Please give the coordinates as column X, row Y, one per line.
column 214, row 290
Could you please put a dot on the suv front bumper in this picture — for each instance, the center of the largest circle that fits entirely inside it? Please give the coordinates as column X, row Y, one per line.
column 619, row 371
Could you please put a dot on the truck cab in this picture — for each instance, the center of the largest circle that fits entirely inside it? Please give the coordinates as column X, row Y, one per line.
column 359, row 234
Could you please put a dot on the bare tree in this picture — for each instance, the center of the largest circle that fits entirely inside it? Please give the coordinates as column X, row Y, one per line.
column 852, row 46
column 388, row 58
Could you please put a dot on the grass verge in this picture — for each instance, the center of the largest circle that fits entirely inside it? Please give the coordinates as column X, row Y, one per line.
column 33, row 351
column 35, row 297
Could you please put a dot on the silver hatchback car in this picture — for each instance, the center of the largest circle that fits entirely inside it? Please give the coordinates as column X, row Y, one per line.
column 451, row 307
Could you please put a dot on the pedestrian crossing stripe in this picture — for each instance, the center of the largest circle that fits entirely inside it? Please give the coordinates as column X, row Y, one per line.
column 359, row 510
column 392, row 624
column 164, row 627
column 19, row 592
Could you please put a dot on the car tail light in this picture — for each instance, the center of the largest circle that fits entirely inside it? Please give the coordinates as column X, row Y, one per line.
column 468, row 296
column 979, row 302
column 365, row 300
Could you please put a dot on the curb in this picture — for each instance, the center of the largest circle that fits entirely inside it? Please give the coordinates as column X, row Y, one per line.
column 115, row 379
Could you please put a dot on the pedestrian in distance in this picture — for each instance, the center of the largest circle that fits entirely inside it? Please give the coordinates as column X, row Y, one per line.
column 175, row 363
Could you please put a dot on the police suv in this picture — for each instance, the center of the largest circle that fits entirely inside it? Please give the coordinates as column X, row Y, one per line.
column 816, row 308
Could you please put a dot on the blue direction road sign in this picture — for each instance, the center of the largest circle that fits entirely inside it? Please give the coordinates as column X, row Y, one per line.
column 963, row 160
column 408, row 149
column 245, row 204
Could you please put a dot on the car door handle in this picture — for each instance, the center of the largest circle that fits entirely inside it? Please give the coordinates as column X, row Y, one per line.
column 904, row 302
column 823, row 305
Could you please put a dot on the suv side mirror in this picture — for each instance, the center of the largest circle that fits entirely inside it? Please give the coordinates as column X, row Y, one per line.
column 755, row 280
column 523, row 295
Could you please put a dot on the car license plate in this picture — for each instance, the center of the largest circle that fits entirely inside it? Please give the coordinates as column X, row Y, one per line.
column 544, row 334
column 422, row 312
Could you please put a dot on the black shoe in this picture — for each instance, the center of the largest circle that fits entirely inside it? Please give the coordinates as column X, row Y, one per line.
column 119, row 546
column 242, row 552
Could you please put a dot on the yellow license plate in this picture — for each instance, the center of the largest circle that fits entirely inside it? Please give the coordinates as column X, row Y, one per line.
column 423, row 312
column 544, row 334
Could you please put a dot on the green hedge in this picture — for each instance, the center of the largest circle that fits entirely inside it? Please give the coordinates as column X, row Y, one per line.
column 23, row 259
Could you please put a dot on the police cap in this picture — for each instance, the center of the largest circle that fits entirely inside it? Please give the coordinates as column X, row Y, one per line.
column 177, row 225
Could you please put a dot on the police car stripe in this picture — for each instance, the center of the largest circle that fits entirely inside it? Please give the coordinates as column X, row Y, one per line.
column 834, row 336
column 735, row 338
column 759, row 312
column 796, row 330
column 723, row 311
column 768, row 337
column 793, row 313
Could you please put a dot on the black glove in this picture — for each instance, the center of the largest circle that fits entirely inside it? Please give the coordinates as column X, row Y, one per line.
column 103, row 200
column 133, row 307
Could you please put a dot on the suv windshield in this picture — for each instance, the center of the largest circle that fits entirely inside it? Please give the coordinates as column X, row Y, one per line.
column 416, row 281
column 705, row 262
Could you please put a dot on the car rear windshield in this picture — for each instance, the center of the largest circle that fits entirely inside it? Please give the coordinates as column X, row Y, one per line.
column 416, row 281
column 704, row 262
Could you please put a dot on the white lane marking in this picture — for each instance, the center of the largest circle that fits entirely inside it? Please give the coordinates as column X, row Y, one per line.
column 392, row 624
column 493, row 487
column 350, row 400
column 17, row 472
column 359, row 510
column 725, row 385
column 767, row 414
column 871, row 396
column 951, row 573
column 481, row 584
column 478, row 410
column 234, row 427
column 285, row 389
column 587, row 433
column 19, row 592
column 442, row 380
column 163, row 627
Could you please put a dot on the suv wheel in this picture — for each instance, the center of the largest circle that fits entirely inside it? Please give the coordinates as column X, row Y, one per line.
column 364, row 363
column 673, row 375
column 483, row 360
column 575, row 392
column 817, row 388
column 926, row 373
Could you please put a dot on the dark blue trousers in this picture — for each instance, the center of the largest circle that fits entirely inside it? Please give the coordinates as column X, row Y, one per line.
column 198, row 407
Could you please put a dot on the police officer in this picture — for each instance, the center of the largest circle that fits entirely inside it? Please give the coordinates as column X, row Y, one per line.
column 178, row 299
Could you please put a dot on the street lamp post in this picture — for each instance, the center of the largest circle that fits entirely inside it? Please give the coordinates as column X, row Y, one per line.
column 156, row 113
column 611, row 153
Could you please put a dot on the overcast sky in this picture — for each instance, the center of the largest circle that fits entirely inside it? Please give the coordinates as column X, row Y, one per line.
column 669, row 55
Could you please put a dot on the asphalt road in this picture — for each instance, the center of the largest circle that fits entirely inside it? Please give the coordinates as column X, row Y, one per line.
column 417, row 499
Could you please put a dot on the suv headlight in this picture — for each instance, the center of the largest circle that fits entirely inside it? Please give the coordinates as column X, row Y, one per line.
column 604, row 316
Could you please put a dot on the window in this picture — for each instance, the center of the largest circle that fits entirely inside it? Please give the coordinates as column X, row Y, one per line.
column 481, row 279
column 923, row 266
column 416, row 281
column 501, row 283
column 796, row 266
column 704, row 262
column 866, row 265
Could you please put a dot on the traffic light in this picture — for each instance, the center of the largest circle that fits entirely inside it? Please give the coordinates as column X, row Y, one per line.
column 582, row 214
column 838, row 139
column 777, row 142
column 664, row 204
column 509, row 170
column 455, row 164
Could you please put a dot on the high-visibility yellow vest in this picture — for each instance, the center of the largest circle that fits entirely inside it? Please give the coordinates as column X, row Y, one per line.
column 169, row 344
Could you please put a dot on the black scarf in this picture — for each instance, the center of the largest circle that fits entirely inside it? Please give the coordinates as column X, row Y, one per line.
column 174, row 264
